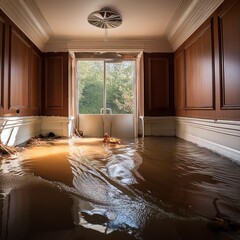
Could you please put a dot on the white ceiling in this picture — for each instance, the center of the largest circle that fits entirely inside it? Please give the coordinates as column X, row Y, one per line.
column 148, row 25
column 141, row 18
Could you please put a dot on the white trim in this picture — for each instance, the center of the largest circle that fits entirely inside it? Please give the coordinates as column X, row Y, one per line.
column 220, row 136
column 60, row 126
column 187, row 18
column 189, row 15
column 71, row 43
column 17, row 130
column 28, row 18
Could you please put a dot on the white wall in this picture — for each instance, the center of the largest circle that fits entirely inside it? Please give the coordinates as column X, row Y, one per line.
column 122, row 125
column 17, row 130
column 220, row 136
column 60, row 126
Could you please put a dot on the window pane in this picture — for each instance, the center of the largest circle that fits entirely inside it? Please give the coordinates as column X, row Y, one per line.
column 90, row 76
column 120, row 92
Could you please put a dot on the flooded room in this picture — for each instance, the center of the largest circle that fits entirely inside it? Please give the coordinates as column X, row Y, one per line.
column 119, row 120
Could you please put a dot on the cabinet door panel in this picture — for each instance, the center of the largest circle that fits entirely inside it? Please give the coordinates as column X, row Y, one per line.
column 19, row 73
column 158, row 80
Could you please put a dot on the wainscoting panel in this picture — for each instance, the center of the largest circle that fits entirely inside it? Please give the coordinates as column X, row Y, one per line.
column 229, row 35
column 179, row 86
column 158, row 84
column 220, row 136
column 60, row 126
column 35, row 86
column 55, row 84
column 17, row 130
column 199, row 65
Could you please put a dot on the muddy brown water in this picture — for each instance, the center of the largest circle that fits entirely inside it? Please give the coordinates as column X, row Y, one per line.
column 159, row 188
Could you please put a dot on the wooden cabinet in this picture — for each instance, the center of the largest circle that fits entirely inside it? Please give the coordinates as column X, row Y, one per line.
column 2, row 40
column 20, row 72
column 35, row 83
column 158, row 84
column 55, row 84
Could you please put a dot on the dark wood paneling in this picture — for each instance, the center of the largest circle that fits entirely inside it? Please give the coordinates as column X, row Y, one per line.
column 19, row 73
column 20, row 76
column 158, row 94
column 229, row 37
column 211, row 67
column 199, row 70
column 35, row 89
column 179, row 87
column 2, row 40
column 56, row 84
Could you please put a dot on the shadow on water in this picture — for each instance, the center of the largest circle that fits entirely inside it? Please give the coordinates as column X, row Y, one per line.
column 162, row 188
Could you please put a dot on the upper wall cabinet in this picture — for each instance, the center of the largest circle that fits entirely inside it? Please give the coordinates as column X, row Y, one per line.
column 35, row 82
column 20, row 72
column 55, row 85
column 229, row 48
column 158, row 84
column 2, row 34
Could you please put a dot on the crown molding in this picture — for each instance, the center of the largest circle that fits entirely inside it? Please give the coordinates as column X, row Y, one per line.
column 187, row 18
column 26, row 15
column 189, row 15
column 58, row 44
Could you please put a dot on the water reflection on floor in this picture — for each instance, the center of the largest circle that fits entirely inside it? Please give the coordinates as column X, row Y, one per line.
column 159, row 188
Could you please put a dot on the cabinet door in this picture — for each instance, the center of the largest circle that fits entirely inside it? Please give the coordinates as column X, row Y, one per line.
column 35, row 89
column 158, row 84
column 19, row 74
column 2, row 34
column 55, row 87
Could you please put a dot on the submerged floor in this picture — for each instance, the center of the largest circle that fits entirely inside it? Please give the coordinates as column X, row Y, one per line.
column 159, row 188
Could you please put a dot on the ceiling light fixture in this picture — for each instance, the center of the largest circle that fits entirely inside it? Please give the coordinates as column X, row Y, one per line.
column 105, row 19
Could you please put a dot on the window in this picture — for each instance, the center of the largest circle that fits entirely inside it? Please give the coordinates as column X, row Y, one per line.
column 118, row 93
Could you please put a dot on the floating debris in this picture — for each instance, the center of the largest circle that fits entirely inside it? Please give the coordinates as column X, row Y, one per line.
column 4, row 149
column 111, row 140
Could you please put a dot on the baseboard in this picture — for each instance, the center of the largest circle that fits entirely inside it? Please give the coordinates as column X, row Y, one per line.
column 60, row 126
column 219, row 136
column 17, row 130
